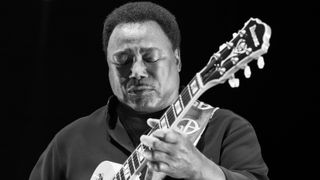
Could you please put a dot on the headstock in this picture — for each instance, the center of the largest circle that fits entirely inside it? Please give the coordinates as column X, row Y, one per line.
column 248, row 44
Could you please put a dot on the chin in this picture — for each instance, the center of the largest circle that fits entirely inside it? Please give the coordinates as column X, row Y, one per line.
column 145, row 104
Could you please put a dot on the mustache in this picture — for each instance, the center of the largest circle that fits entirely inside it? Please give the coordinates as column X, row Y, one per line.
column 134, row 84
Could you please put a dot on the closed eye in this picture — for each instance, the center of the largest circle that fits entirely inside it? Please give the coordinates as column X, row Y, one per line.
column 150, row 58
column 123, row 58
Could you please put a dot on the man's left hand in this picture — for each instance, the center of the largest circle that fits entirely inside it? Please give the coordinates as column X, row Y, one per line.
column 174, row 154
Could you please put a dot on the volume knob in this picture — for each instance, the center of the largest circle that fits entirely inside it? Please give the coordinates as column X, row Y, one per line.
column 260, row 62
column 247, row 72
column 234, row 82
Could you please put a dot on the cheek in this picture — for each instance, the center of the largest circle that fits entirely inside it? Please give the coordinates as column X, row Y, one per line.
column 115, row 81
column 119, row 75
column 112, row 78
column 167, row 74
column 124, row 71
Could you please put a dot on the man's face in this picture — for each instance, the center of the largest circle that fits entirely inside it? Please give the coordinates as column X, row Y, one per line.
column 143, row 67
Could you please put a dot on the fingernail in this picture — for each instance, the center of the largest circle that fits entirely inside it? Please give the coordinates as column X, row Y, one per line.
column 146, row 155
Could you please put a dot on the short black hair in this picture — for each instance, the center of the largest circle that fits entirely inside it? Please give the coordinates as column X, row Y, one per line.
column 135, row 12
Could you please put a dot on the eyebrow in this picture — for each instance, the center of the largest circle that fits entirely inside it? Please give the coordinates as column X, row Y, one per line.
column 141, row 50
column 150, row 49
column 127, row 50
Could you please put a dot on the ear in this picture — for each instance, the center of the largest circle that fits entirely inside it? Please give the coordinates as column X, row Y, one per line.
column 178, row 59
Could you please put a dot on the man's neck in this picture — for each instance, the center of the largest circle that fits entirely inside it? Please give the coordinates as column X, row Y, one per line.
column 127, row 111
column 135, row 122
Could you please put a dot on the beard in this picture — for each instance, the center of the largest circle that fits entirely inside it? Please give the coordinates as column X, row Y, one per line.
column 145, row 100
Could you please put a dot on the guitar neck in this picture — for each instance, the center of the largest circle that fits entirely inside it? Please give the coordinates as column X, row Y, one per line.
column 136, row 162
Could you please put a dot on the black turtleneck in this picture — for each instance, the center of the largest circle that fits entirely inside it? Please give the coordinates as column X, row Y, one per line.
column 136, row 122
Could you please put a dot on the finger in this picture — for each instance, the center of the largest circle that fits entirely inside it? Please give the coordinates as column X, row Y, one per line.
column 178, row 132
column 167, row 135
column 160, row 134
column 149, row 141
column 158, row 167
column 156, row 144
column 152, row 122
column 170, row 136
column 163, row 167
column 157, row 156
column 153, row 166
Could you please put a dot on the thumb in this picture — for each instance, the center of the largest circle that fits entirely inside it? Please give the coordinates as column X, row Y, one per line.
column 152, row 122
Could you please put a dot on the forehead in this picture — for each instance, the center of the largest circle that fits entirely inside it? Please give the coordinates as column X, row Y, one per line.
column 144, row 34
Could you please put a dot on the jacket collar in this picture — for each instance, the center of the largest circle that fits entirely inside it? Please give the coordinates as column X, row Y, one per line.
column 115, row 129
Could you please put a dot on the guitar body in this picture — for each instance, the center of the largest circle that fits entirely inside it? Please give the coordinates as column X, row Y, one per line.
column 107, row 170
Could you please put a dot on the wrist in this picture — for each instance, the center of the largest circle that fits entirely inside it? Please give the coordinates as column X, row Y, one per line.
column 208, row 171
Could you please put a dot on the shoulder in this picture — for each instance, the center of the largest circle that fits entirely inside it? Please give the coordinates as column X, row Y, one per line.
column 227, row 116
column 219, row 116
column 228, row 120
column 83, row 126
column 225, row 121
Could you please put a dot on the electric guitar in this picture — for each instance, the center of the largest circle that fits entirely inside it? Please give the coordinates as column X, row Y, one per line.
column 248, row 44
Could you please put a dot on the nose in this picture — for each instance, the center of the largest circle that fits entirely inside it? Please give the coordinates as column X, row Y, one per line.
column 138, row 69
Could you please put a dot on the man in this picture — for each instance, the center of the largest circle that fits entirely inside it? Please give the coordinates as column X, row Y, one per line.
column 141, row 42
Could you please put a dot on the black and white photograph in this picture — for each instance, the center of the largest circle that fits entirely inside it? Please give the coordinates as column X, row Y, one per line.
column 159, row 90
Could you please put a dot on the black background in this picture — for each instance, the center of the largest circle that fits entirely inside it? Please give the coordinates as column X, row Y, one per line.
column 57, row 73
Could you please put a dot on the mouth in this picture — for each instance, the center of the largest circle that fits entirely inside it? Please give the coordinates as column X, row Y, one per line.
column 140, row 90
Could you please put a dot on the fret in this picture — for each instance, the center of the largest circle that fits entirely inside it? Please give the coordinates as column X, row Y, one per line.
column 130, row 165
column 153, row 129
column 144, row 147
column 170, row 115
column 164, row 122
column 126, row 171
column 185, row 96
column 139, row 152
column 122, row 177
column 194, row 86
column 178, row 107
column 118, row 176
column 135, row 160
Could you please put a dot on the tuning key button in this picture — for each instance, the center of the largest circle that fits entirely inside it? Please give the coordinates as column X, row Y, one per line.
column 221, row 70
column 260, row 62
column 216, row 56
column 234, row 60
column 234, row 35
column 222, row 47
column 247, row 72
column 234, row 82
column 242, row 32
column 248, row 51
column 229, row 45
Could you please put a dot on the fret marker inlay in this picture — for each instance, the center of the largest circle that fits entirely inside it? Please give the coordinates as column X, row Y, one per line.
column 178, row 107
column 194, row 86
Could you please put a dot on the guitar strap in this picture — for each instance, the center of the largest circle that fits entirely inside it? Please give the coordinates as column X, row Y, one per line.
column 193, row 125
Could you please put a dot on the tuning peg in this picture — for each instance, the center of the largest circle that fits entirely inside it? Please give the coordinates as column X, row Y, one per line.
column 234, row 82
column 247, row 71
column 234, row 60
column 221, row 47
column 260, row 62
column 248, row 51
column 242, row 32
column 234, row 35
column 229, row 45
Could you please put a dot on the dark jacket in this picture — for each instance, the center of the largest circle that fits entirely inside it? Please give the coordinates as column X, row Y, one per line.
column 74, row 153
